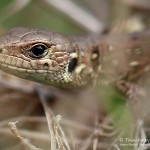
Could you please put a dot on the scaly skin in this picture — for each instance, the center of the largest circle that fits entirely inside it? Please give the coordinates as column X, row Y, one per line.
column 71, row 62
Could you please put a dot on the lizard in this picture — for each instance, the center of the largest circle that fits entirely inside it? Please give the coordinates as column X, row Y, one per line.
column 72, row 62
column 79, row 61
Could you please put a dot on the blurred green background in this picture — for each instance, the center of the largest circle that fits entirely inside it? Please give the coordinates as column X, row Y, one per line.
column 69, row 16
column 37, row 14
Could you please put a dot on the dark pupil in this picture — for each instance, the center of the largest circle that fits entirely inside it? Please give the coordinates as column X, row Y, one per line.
column 38, row 51
column 72, row 64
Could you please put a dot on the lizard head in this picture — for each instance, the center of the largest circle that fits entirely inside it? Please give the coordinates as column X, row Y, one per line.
column 44, row 57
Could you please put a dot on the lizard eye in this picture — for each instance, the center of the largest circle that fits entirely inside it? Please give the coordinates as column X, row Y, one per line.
column 38, row 51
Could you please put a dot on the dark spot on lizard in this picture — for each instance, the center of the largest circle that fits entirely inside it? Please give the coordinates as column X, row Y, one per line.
column 95, row 54
column 95, row 57
column 46, row 65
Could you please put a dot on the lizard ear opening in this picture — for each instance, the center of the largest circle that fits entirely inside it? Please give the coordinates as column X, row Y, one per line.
column 72, row 64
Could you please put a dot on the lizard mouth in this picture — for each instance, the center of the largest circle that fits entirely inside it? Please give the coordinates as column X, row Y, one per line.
column 39, row 71
column 30, row 66
column 22, row 68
